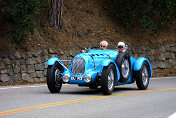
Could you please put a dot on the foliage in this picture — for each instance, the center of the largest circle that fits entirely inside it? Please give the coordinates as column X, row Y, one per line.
column 152, row 15
column 20, row 15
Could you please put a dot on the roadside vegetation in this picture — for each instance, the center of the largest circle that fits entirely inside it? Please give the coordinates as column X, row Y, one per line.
column 20, row 15
column 150, row 15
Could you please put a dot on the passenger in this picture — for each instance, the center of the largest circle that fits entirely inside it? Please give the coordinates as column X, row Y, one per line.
column 121, row 47
column 103, row 45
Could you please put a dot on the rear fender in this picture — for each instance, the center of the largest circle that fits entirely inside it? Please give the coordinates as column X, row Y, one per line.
column 53, row 60
column 107, row 62
column 139, row 62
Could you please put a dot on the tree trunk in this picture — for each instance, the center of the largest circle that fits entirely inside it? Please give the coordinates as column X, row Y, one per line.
column 55, row 14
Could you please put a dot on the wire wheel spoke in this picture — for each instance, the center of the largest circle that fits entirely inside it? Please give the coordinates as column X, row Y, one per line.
column 57, row 77
column 110, row 79
column 145, row 75
column 125, row 68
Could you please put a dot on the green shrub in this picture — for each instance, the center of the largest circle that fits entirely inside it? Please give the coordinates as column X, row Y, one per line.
column 20, row 16
column 148, row 24
column 152, row 15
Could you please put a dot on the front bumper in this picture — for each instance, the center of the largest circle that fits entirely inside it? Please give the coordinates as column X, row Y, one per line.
column 79, row 79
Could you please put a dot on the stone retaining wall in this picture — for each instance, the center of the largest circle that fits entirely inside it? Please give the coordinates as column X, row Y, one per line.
column 161, row 58
column 30, row 66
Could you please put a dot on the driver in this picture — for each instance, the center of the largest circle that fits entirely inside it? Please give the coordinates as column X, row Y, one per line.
column 121, row 47
column 103, row 45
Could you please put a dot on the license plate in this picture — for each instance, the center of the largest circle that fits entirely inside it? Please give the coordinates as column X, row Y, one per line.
column 76, row 78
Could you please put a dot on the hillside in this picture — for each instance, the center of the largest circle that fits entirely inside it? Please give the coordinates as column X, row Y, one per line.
column 86, row 23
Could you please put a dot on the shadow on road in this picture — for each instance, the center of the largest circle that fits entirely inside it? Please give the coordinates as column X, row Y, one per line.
column 124, row 89
column 98, row 91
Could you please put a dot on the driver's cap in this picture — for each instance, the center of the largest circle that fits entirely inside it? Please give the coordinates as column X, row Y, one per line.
column 121, row 44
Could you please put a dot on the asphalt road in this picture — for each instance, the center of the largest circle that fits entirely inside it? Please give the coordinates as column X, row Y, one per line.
column 35, row 101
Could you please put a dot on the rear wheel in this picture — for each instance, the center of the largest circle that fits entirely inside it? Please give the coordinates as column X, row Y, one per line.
column 142, row 76
column 53, row 76
column 107, row 79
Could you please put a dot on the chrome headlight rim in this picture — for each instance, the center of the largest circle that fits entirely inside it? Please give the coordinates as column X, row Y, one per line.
column 66, row 78
column 87, row 78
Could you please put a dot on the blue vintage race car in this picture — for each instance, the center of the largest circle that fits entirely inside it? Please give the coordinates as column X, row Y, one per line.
column 105, row 68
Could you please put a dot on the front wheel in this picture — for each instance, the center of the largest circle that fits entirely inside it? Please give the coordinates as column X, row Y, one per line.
column 107, row 79
column 142, row 76
column 53, row 77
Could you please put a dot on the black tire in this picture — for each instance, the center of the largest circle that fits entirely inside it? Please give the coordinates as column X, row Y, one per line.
column 54, row 81
column 93, row 86
column 121, row 57
column 142, row 80
column 107, row 86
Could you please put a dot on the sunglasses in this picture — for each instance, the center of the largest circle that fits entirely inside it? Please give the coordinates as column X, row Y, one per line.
column 103, row 46
column 120, row 47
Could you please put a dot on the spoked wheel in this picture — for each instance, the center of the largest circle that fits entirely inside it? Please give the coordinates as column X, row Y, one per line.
column 145, row 76
column 107, row 79
column 124, row 64
column 142, row 76
column 111, row 79
column 57, row 78
column 125, row 68
column 53, row 76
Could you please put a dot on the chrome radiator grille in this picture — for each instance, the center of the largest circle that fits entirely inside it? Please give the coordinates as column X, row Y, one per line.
column 78, row 66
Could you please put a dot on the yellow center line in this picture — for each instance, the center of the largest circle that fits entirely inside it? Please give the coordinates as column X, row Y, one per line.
column 50, row 104
column 3, row 113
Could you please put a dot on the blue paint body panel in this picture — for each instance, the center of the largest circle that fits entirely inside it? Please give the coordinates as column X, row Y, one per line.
column 53, row 60
column 95, row 61
column 139, row 62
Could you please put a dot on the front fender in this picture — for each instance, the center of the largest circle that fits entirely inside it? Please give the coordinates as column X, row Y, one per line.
column 53, row 60
column 107, row 62
column 139, row 62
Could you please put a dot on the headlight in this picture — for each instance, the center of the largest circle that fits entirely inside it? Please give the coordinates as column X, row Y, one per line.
column 87, row 78
column 66, row 78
